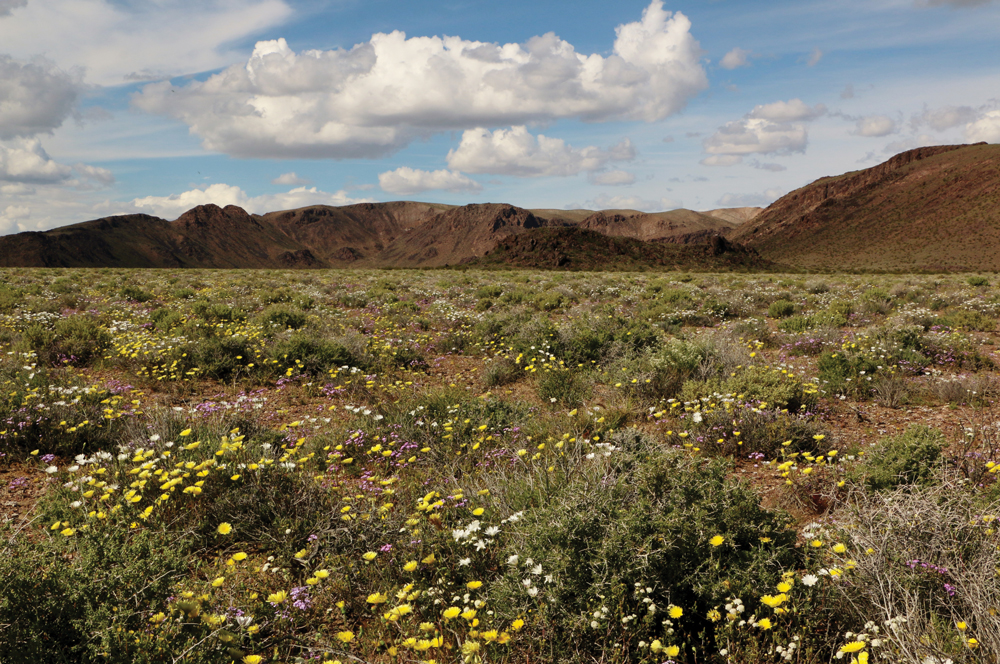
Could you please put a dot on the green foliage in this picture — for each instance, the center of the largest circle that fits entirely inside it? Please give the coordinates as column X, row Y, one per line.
column 644, row 521
column 284, row 318
column 781, row 309
column 911, row 458
column 563, row 386
column 976, row 281
column 754, row 383
column 133, row 293
column 796, row 324
column 312, row 355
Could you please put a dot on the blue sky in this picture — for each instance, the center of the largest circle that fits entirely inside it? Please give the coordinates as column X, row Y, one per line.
column 114, row 107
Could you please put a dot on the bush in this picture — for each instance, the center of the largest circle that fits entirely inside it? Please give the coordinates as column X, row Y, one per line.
column 135, row 294
column 562, row 386
column 977, row 281
column 283, row 318
column 911, row 458
column 315, row 356
column 634, row 531
column 796, row 324
column 781, row 309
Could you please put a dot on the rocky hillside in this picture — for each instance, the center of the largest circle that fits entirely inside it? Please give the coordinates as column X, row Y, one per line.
column 929, row 209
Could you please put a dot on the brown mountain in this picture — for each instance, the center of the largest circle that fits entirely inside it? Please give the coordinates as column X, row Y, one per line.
column 398, row 234
column 929, row 209
column 576, row 248
column 677, row 226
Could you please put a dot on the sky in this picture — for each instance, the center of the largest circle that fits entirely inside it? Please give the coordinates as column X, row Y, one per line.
column 154, row 106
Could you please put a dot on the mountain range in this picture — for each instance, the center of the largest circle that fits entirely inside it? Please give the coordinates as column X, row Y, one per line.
column 929, row 209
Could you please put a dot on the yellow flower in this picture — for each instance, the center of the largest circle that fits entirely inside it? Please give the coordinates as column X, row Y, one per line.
column 377, row 598
column 68, row 532
column 225, row 528
column 410, row 566
column 774, row 600
column 784, row 587
column 239, row 556
column 673, row 651
column 816, row 543
column 839, row 548
column 962, row 626
column 972, row 643
column 478, row 511
column 158, row 618
column 186, row 432
column 322, row 574
column 429, row 560
column 451, row 612
column 473, row 585
column 218, row 581
column 517, row 625
column 675, row 611
column 470, row 648
column 345, row 636
column 278, row 597
column 253, row 659
column 469, row 614
column 370, row 556
column 714, row 615
column 717, row 540
column 764, row 624
column 853, row 646
column 656, row 646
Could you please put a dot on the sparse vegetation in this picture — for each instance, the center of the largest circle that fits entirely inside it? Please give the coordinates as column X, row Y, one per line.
column 511, row 467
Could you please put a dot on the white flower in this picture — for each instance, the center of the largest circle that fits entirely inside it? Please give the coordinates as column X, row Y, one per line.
column 532, row 591
column 537, row 569
column 75, row 503
column 809, row 580
column 52, row 469
column 512, row 560
column 155, row 437
column 480, row 545
column 492, row 531
column 696, row 418
column 464, row 561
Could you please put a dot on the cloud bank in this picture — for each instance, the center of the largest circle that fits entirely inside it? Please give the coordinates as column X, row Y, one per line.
column 171, row 207
column 406, row 181
column 373, row 99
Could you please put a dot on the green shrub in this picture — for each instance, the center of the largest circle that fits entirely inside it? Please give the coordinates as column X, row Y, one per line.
column 841, row 308
column 184, row 293
column 315, row 356
column 635, row 530
column 796, row 324
column 911, row 458
column 754, row 384
column 562, row 386
column 10, row 299
column 551, row 301
column 501, row 372
column 283, row 318
column 977, row 281
column 135, row 294
column 781, row 309
column 489, row 291
column 973, row 321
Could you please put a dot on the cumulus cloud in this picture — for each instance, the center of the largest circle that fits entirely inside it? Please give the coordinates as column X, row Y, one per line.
column 768, row 129
column 722, row 160
column 29, row 163
column 611, row 178
column 875, row 125
column 406, row 181
column 290, row 179
column 12, row 219
column 171, row 207
column 945, row 117
column 738, row 57
column 605, row 202
column 35, row 97
column 814, row 57
column 750, row 200
column 161, row 38
column 7, row 6
column 986, row 128
column 95, row 173
column 516, row 151
column 376, row 97
column 757, row 135
column 793, row 110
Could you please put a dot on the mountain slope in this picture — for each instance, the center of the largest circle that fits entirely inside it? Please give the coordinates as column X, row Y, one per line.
column 681, row 226
column 929, row 209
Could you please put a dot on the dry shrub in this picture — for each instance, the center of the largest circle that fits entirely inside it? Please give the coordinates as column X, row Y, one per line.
column 926, row 560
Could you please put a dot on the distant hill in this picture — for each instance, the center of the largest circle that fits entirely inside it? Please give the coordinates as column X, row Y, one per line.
column 576, row 248
column 397, row 234
column 929, row 209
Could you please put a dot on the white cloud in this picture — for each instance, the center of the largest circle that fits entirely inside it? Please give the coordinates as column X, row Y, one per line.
column 290, row 179
column 986, row 128
column 722, row 160
column 605, row 202
column 406, row 180
column 12, row 219
column 774, row 168
column 814, row 57
column 910, row 143
column 793, row 110
column 158, row 38
column 750, row 200
column 611, row 178
column 516, row 151
column 35, row 97
column 735, row 58
column 7, row 6
column 376, row 97
column 945, row 117
column 28, row 162
column 96, row 173
column 757, row 135
column 171, row 207
column 875, row 125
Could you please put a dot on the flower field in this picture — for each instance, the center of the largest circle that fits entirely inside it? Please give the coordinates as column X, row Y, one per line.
column 463, row 466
